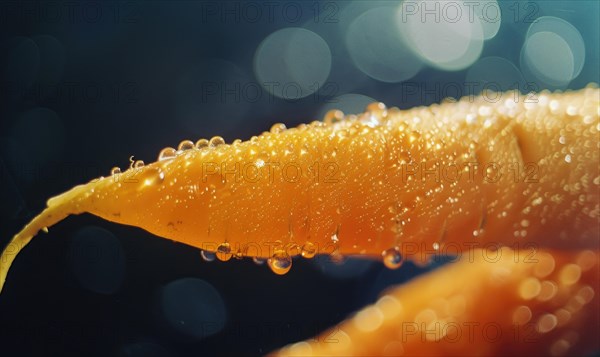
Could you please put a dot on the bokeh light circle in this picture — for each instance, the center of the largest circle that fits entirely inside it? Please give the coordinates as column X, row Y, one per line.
column 97, row 260
column 553, row 52
column 193, row 307
column 445, row 38
column 490, row 16
column 292, row 63
column 377, row 48
column 494, row 73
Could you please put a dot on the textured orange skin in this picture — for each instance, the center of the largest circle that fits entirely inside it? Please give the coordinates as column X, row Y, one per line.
column 354, row 186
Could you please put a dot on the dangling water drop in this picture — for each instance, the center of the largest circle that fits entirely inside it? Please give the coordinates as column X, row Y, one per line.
column 278, row 128
column 167, row 153
column 280, row 263
column 259, row 261
column 392, row 258
column 309, row 250
column 185, row 145
column 238, row 255
column 201, row 144
column 207, row 256
column 216, row 141
column 224, row 252
column 115, row 170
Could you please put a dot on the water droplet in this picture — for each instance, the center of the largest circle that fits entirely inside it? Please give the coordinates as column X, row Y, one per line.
column 138, row 164
column 280, row 263
column 207, row 256
column 568, row 158
column 185, row 145
column 415, row 135
column 115, row 170
column 404, row 157
column 166, row 154
column 376, row 107
column 392, row 258
column 152, row 176
column 259, row 261
column 335, row 239
column 278, row 128
column 309, row 250
column 216, row 141
column 201, row 144
column 333, row 116
column 562, row 140
column 402, row 126
column 224, row 252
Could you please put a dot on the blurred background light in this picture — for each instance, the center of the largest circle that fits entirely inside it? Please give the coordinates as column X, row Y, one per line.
column 489, row 14
column 553, row 52
column 193, row 307
column 377, row 48
column 441, row 33
column 97, row 260
column 292, row 63
column 494, row 73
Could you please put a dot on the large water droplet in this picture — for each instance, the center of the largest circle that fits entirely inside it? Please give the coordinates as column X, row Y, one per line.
column 278, row 128
column 207, row 256
column 185, row 145
column 280, row 263
column 115, row 170
column 201, row 144
column 216, row 141
column 224, row 252
column 392, row 258
column 167, row 153
column 309, row 250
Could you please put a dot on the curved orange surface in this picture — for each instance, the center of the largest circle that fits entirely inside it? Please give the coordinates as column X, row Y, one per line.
column 454, row 178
